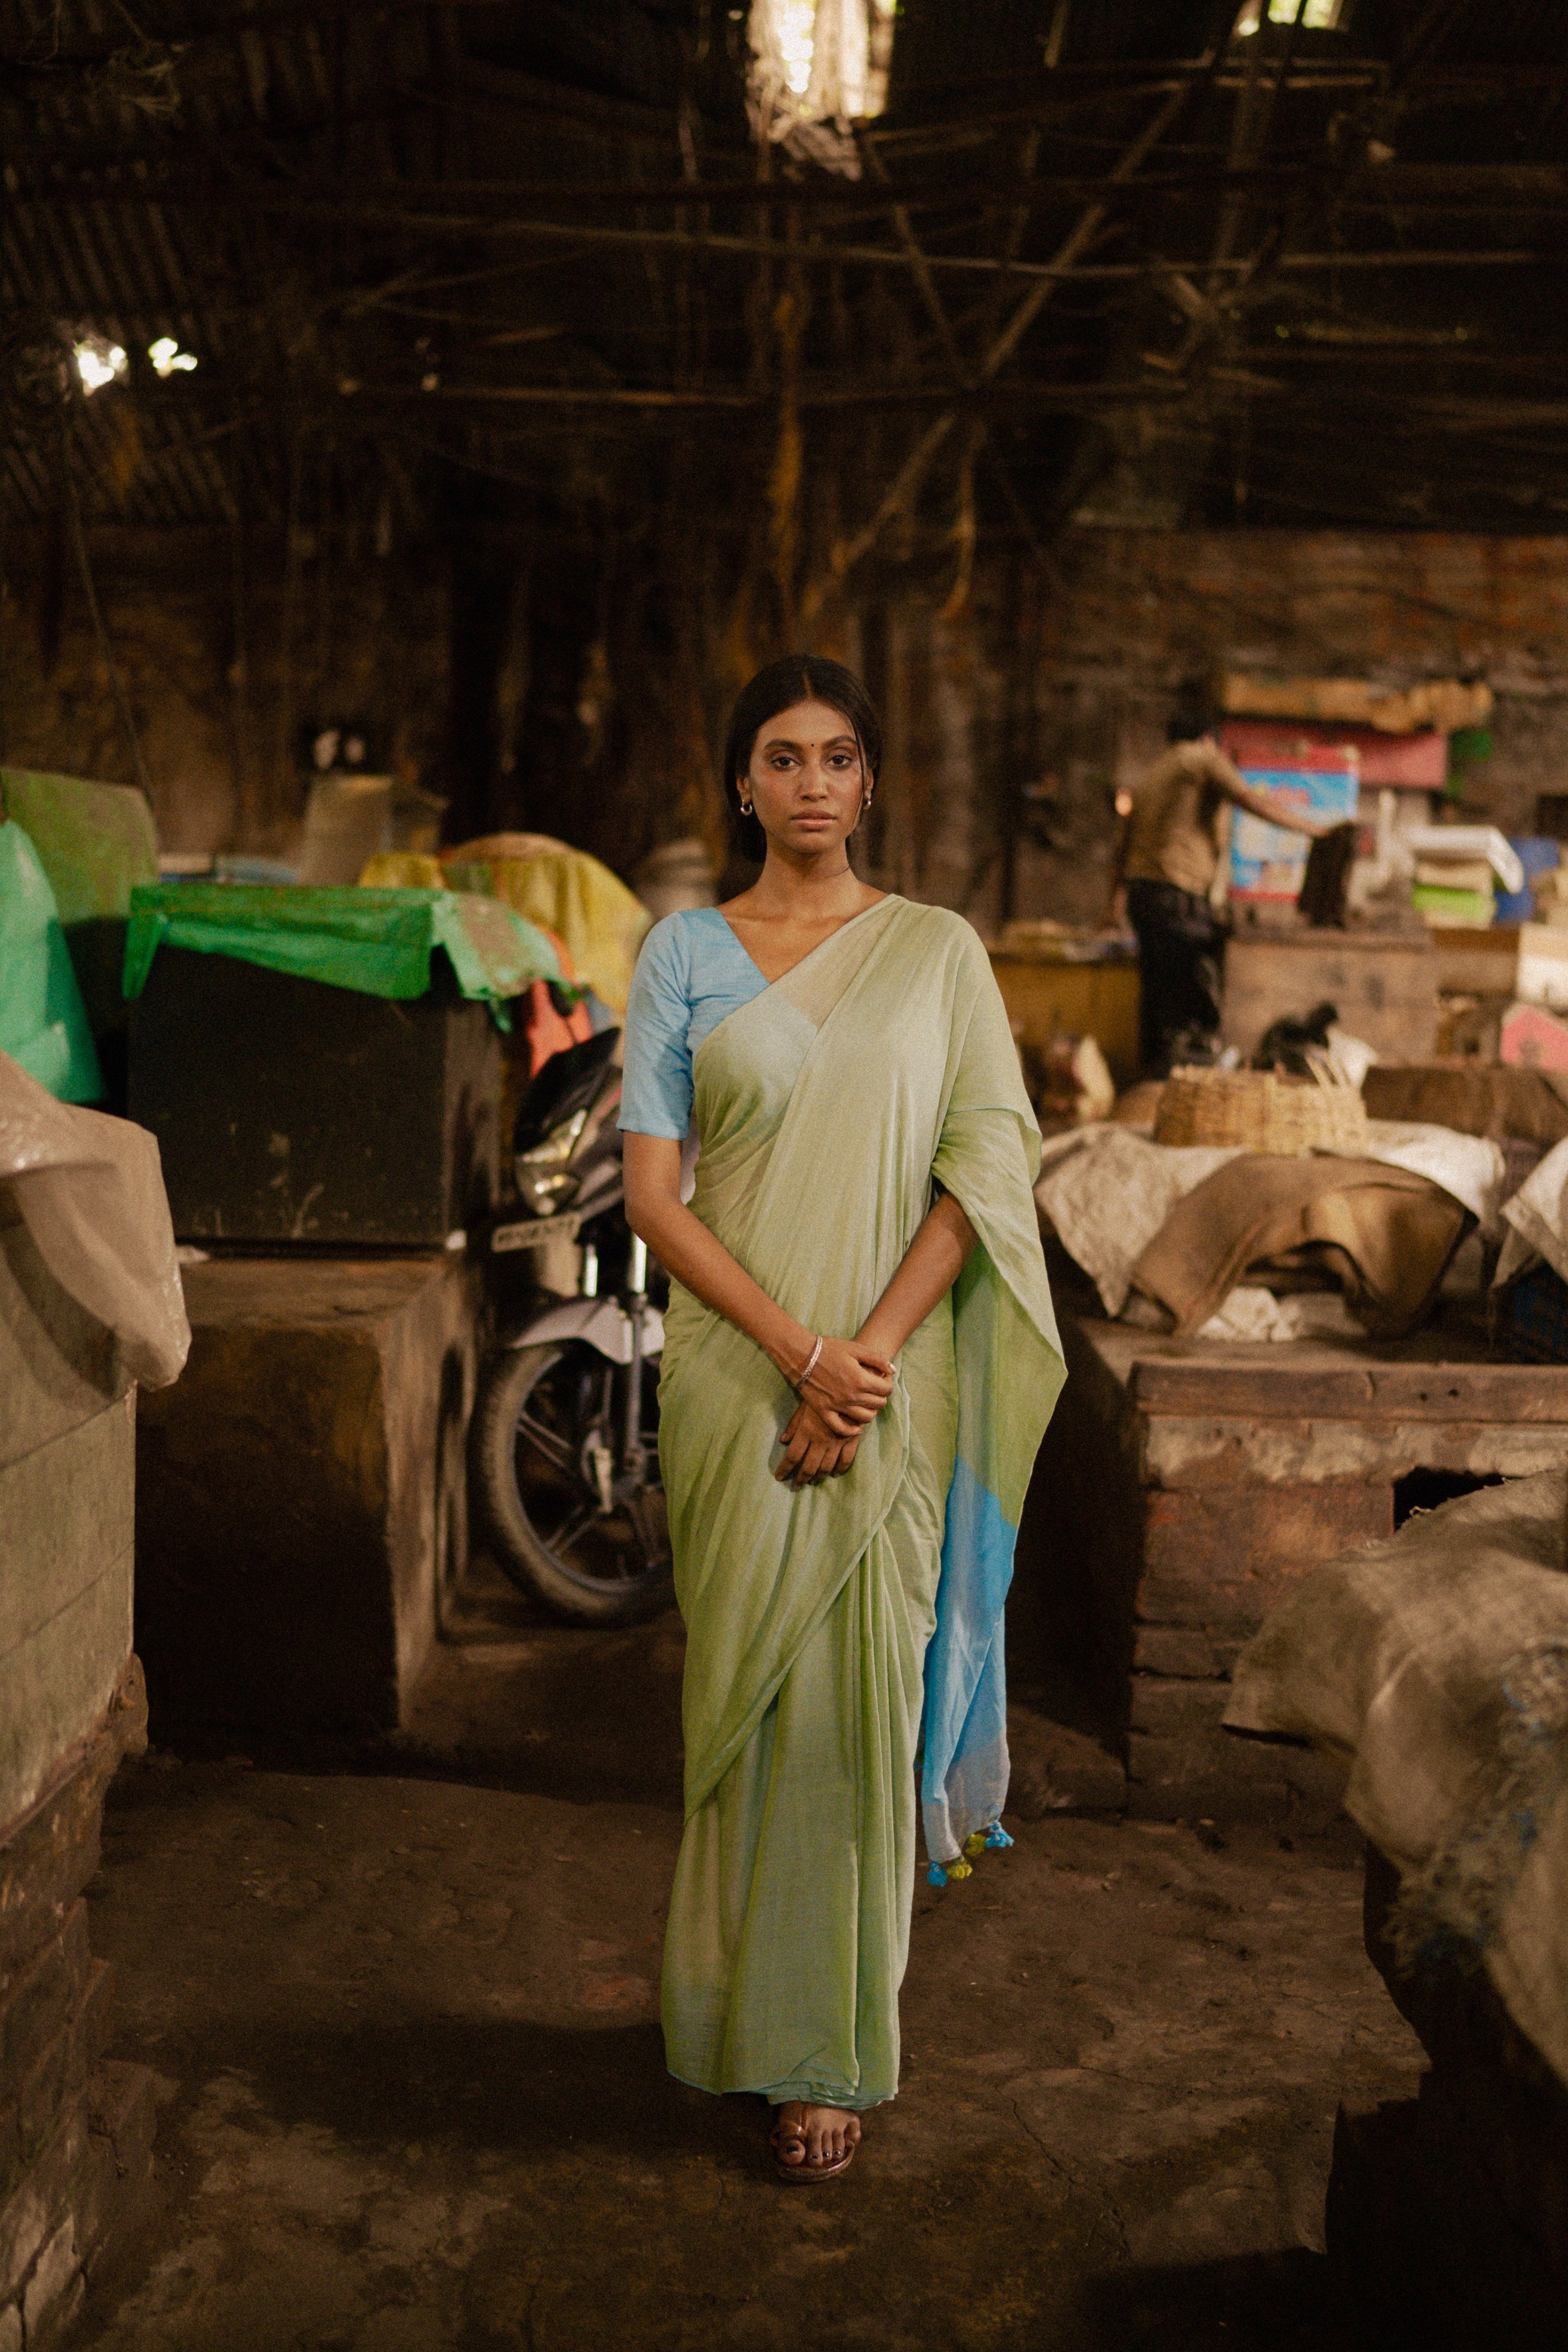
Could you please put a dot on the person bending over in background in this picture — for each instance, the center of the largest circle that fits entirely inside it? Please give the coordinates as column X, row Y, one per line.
column 859, row 1353
column 1176, row 867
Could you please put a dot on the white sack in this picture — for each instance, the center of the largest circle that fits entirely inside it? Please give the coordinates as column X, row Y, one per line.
column 90, row 1191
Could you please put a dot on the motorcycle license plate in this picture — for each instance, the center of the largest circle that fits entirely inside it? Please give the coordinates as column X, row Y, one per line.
column 533, row 1233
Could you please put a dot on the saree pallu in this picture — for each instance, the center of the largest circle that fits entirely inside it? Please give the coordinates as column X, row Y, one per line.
column 831, row 1108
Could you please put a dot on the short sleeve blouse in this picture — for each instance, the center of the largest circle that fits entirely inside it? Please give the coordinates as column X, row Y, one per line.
column 692, row 973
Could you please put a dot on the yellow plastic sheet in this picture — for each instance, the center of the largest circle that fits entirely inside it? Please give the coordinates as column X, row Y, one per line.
column 561, row 889
column 402, row 869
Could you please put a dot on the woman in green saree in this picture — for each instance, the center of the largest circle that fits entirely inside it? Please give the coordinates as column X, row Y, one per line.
column 860, row 1359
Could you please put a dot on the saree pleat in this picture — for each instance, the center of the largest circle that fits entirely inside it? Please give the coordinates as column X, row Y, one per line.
column 826, row 1107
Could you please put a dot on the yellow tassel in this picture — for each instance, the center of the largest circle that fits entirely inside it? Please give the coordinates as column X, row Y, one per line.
column 959, row 1870
column 974, row 1844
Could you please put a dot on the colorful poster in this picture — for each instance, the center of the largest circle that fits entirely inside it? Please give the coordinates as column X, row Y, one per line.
column 1267, row 862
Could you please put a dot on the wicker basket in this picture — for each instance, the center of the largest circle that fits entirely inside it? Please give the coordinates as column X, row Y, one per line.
column 1260, row 1110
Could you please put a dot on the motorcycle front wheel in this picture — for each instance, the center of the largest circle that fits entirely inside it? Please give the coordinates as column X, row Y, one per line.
column 545, row 1429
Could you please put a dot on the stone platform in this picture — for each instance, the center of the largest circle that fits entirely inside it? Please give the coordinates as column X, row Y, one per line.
column 300, row 1509
column 75, row 2129
column 1184, row 1487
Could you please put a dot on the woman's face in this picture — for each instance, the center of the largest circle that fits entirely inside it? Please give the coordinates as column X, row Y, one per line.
column 806, row 781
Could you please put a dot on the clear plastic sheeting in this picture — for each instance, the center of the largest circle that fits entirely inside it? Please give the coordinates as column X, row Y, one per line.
column 90, row 1191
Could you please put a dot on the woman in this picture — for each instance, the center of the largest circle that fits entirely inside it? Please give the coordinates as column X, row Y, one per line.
column 859, row 1265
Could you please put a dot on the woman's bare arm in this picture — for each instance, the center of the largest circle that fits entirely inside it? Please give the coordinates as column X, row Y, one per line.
column 851, row 1378
column 931, row 1265
column 927, row 1272
column 1229, row 778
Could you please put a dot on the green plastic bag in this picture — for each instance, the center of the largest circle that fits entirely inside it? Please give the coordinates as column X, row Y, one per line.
column 43, row 1023
column 96, row 843
column 377, row 942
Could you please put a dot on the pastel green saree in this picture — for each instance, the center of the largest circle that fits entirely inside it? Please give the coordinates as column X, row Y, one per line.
column 829, row 1108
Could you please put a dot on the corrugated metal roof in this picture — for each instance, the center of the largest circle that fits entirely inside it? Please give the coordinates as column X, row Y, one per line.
column 353, row 202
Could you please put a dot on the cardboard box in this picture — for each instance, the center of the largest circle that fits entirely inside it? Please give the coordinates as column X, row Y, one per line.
column 1542, row 974
column 1266, row 861
column 1533, row 1039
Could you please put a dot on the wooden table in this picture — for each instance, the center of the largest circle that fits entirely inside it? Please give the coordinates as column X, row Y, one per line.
column 1185, row 1487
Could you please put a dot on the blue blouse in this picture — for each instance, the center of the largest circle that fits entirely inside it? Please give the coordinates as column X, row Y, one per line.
column 692, row 973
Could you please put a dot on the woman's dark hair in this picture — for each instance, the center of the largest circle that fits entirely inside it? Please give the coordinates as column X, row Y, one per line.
column 798, row 677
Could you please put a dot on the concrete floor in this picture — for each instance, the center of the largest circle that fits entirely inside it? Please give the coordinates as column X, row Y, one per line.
column 416, row 2103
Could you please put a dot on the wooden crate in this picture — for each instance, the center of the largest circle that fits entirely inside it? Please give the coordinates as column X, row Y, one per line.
column 287, row 1110
column 1384, row 983
column 1478, row 963
column 1047, row 1000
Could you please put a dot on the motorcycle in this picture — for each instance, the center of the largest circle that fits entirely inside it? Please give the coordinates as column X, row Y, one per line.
column 563, row 1442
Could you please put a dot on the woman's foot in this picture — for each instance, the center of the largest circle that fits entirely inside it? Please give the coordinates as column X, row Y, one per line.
column 810, row 2143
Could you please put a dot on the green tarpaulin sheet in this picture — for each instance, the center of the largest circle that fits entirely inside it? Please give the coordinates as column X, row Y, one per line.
column 377, row 942
column 42, row 1023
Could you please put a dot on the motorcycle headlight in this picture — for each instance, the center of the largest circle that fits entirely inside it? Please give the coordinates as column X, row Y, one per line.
column 546, row 1180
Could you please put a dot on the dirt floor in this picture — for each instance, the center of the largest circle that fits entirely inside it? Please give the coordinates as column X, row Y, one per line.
column 405, row 2029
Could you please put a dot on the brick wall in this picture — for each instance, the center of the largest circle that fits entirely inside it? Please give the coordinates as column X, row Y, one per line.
column 1134, row 613
column 194, row 627
column 1009, row 725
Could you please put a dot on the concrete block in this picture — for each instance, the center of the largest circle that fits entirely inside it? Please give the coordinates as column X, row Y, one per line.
column 42, row 1997
column 300, row 1490
column 71, row 1702
column 57, row 1364
column 1182, row 1452
column 1228, row 1555
column 1177, row 1710
column 1175, row 1650
column 57, row 1682
column 47, row 1858
column 66, row 1513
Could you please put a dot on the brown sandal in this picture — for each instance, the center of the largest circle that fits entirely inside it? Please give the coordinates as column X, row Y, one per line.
column 805, row 2174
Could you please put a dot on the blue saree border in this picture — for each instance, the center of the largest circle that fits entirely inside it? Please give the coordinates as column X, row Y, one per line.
column 964, row 1774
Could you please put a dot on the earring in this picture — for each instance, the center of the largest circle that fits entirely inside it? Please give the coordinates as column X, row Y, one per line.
column 745, row 808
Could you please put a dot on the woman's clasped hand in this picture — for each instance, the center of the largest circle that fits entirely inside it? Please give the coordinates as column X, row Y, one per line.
column 847, row 1388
